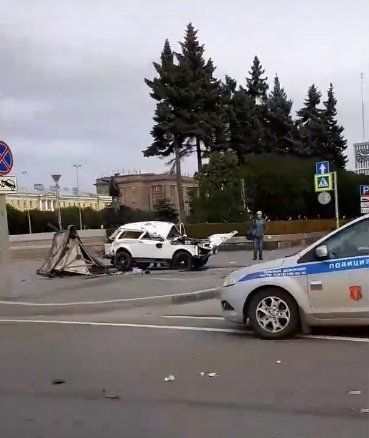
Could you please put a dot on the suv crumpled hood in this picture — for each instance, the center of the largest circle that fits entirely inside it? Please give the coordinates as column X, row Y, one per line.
column 217, row 239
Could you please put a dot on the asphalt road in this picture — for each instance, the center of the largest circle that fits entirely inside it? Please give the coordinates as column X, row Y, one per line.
column 29, row 287
column 111, row 362
column 296, row 388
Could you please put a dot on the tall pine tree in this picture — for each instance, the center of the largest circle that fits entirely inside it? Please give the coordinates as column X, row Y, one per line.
column 337, row 144
column 246, row 130
column 257, row 83
column 200, row 91
column 279, row 132
column 171, row 123
column 311, row 126
column 256, row 89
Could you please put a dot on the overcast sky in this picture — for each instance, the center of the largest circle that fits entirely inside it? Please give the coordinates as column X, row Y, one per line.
column 72, row 72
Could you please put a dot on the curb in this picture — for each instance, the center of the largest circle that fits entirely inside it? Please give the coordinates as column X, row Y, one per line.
column 14, row 308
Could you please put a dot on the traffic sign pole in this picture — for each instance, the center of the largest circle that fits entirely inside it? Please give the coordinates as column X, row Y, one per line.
column 5, row 280
column 336, row 206
column 324, row 181
column 7, row 184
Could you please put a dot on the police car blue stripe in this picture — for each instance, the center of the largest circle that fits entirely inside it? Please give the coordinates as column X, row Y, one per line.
column 311, row 268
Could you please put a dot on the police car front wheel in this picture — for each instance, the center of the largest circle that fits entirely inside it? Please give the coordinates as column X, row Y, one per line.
column 273, row 314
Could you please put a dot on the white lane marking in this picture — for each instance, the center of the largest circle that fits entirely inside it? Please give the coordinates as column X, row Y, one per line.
column 168, row 327
column 173, row 279
column 215, row 318
column 119, row 300
column 121, row 324
column 335, row 338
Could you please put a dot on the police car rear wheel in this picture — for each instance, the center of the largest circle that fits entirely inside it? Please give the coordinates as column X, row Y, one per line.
column 274, row 314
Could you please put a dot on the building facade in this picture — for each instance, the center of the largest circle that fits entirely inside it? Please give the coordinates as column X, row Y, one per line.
column 142, row 191
column 361, row 154
column 49, row 201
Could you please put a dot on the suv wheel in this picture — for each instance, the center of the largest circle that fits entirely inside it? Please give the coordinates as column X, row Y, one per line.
column 123, row 261
column 274, row 314
column 182, row 260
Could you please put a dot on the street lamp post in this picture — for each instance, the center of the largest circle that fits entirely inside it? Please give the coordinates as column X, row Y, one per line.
column 362, row 104
column 56, row 179
column 26, row 173
column 77, row 167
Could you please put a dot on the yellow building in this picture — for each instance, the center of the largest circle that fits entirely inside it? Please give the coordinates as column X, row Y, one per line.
column 49, row 201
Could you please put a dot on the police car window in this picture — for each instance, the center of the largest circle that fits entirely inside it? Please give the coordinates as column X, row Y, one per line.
column 350, row 242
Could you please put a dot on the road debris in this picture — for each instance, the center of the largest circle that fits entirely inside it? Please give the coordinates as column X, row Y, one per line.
column 364, row 411
column 354, row 392
column 213, row 374
column 58, row 382
column 278, row 361
column 170, row 378
column 202, row 374
column 111, row 396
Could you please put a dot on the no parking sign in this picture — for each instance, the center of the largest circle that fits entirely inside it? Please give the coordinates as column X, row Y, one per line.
column 6, row 159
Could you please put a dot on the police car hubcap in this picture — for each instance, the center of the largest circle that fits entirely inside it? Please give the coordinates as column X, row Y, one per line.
column 273, row 314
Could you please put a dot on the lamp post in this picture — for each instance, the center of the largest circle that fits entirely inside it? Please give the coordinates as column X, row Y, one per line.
column 56, row 179
column 362, row 104
column 26, row 173
column 77, row 167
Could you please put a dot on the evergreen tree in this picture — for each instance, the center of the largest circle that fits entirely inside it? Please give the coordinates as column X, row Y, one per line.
column 200, row 91
column 280, row 126
column 219, row 196
column 311, row 126
column 337, row 144
column 165, row 211
column 257, row 84
column 172, row 122
column 246, row 131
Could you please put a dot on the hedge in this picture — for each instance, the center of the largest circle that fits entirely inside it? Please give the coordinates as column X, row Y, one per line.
column 273, row 228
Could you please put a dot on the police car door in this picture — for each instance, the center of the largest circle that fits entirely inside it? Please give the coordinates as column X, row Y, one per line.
column 339, row 284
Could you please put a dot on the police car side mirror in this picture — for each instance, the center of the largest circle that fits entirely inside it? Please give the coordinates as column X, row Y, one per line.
column 321, row 252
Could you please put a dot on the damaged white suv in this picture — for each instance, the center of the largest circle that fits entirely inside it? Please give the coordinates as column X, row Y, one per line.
column 142, row 243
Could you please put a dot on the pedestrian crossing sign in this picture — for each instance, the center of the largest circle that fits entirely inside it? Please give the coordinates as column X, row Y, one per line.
column 323, row 183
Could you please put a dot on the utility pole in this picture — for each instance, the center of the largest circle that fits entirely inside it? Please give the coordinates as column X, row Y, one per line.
column 362, row 105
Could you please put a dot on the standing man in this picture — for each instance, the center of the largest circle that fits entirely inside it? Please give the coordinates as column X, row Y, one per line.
column 257, row 231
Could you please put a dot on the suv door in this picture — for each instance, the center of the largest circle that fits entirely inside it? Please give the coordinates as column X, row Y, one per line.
column 149, row 247
column 338, row 285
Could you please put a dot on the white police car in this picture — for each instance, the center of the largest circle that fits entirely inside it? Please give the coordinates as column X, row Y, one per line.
column 325, row 284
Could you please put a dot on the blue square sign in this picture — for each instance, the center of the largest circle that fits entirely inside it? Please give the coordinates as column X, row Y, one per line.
column 322, row 168
column 364, row 190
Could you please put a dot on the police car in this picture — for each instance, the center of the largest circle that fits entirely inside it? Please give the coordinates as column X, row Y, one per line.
column 325, row 284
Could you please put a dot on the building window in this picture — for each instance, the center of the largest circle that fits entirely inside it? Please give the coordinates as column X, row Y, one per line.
column 172, row 192
column 157, row 189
